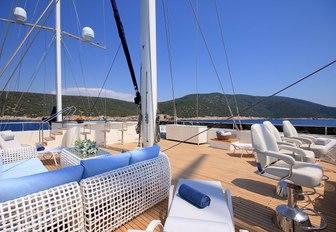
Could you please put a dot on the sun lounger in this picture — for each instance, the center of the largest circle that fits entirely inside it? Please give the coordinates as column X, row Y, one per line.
column 247, row 147
column 183, row 216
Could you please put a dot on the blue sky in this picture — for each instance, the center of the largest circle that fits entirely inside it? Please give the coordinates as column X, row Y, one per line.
column 270, row 45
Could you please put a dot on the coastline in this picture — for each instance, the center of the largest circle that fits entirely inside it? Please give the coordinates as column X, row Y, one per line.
column 164, row 118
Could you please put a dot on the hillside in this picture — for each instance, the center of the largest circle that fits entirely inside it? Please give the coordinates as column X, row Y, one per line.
column 213, row 104
column 38, row 105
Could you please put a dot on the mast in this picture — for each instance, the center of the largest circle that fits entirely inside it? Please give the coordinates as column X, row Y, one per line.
column 148, row 83
column 58, row 61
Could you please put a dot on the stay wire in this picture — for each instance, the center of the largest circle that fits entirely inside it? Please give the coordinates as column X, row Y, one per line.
column 107, row 75
column 28, row 34
column 27, row 49
column 196, row 46
column 258, row 102
column 227, row 63
column 165, row 16
column 6, row 30
column 211, row 58
column 71, row 69
column 33, row 76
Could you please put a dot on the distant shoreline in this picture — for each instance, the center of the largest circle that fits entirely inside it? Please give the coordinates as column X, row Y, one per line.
column 164, row 118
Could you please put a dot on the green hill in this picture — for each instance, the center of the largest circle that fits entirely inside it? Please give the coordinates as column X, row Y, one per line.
column 213, row 104
column 38, row 105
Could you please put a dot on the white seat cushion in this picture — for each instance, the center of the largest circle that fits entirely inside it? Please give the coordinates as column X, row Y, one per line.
column 304, row 174
column 178, row 224
column 182, row 211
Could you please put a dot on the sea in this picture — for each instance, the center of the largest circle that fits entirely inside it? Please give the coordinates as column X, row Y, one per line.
column 295, row 122
column 25, row 125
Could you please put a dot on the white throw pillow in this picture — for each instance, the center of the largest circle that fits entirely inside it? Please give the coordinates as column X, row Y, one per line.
column 322, row 141
column 7, row 135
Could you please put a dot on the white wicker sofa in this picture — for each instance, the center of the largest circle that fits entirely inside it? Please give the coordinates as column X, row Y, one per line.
column 110, row 191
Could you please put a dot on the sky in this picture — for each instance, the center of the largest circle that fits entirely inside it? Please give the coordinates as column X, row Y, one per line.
column 270, row 44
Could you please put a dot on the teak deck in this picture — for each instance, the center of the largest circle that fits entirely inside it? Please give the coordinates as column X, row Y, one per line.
column 254, row 198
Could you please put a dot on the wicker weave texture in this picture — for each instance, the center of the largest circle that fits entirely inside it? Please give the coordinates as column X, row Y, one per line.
column 113, row 198
column 11, row 155
column 56, row 209
column 70, row 159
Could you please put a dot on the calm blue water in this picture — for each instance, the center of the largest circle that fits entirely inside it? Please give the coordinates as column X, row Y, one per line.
column 295, row 122
column 19, row 126
column 35, row 125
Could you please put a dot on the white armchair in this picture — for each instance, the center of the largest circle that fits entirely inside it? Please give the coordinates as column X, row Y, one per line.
column 290, row 146
column 275, row 165
column 320, row 146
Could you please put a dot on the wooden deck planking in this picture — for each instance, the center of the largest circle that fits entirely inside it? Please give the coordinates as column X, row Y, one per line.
column 254, row 198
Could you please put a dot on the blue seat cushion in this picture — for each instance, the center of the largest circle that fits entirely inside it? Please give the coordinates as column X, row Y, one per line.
column 23, row 168
column 97, row 166
column 144, row 154
column 22, row 186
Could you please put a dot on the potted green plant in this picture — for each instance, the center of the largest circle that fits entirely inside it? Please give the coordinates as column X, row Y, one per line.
column 86, row 147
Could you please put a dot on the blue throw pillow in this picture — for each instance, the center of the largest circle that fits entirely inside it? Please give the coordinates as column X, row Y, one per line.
column 98, row 166
column 22, row 186
column 144, row 154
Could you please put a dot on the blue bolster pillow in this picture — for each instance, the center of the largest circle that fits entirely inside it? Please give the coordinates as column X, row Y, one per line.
column 193, row 196
column 40, row 148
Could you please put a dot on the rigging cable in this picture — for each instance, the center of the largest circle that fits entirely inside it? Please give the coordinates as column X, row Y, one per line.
column 33, row 76
column 260, row 101
column 166, row 21
column 71, row 70
column 211, row 58
column 228, row 64
column 2, row 47
column 107, row 75
column 78, row 25
column 121, row 33
column 26, row 37
column 105, row 57
column 197, row 97
column 28, row 47
column 6, row 31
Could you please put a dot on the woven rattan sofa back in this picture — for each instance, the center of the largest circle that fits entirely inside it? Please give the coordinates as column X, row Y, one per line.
column 113, row 198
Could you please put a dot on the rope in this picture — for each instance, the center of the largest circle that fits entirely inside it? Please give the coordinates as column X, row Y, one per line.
column 228, row 64
column 257, row 103
column 165, row 16
column 122, row 37
column 211, row 58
